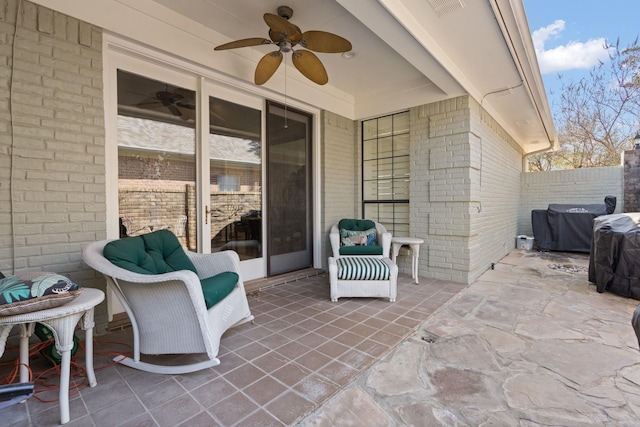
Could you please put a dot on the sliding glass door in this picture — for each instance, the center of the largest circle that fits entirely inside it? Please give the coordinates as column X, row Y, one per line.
column 289, row 189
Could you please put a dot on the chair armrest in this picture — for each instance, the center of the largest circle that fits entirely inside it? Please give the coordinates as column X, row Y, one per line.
column 334, row 239
column 209, row 265
column 385, row 242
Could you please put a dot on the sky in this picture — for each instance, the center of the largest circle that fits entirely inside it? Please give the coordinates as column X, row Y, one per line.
column 569, row 35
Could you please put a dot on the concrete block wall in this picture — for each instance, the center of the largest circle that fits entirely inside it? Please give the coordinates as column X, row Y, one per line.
column 581, row 186
column 52, row 189
column 340, row 166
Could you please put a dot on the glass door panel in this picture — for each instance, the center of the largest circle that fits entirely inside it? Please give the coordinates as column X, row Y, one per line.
column 235, row 174
column 156, row 158
column 289, row 190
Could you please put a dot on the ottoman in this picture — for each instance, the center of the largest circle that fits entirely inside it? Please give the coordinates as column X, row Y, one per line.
column 363, row 277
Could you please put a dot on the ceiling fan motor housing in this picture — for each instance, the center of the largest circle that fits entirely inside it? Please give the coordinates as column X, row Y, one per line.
column 285, row 12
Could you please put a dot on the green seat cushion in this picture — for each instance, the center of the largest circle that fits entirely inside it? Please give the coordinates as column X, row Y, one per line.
column 356, row 224
column 216, row 288
column 153, row 253
column 361, row 250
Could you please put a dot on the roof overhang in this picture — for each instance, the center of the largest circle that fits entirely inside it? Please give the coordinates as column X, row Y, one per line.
column 407, row 52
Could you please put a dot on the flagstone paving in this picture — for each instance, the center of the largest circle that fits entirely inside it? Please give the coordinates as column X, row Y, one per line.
column 530, row 343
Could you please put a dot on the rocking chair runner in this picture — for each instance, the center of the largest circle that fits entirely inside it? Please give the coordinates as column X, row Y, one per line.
column 179, row 302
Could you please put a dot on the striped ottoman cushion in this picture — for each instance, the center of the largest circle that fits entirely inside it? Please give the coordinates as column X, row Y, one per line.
column 362, row 268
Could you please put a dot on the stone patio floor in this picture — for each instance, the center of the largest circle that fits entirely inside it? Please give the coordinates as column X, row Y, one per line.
column 530, row 343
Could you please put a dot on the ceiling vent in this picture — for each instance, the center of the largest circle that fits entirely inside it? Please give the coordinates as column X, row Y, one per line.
column 443, row 7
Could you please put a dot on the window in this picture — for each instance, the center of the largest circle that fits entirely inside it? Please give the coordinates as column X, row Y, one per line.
column 385, row 171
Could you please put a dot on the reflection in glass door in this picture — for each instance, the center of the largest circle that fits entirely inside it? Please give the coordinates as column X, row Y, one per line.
column 156, row 158
column 235, row 168
column 289, row 189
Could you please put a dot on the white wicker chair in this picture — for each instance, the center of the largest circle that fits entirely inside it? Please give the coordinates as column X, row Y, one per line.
column 168, row 311
column 359, row 271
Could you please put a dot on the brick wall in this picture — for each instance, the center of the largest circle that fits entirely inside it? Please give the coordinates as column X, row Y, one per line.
column 51, row 120
column 340, row 152
column 465, row 189
column 582, row 186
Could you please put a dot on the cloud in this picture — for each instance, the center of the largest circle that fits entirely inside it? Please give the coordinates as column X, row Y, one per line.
column 571, row 56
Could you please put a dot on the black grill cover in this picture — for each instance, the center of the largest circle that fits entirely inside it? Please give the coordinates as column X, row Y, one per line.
column 614, row 263
column 565, row 227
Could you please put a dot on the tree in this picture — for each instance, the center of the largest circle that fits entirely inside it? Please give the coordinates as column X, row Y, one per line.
column 599, row 114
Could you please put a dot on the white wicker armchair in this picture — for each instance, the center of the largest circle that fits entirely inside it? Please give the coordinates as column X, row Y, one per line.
column 168, row 311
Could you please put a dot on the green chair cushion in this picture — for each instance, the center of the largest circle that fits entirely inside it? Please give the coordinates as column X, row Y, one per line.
column 356, row 224
column 153, row 253
column 216, row 288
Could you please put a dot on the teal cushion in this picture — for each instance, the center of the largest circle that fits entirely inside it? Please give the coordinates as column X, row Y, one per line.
column 154, row 253
column 216, row 288
column 361, row 250
column 356, row 224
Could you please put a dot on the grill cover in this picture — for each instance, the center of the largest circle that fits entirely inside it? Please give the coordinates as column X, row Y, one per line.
column 614, row 263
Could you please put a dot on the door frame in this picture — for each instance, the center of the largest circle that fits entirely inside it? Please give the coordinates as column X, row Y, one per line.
column 126, row 54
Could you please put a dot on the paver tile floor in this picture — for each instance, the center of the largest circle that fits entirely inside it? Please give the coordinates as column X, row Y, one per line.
column 530, row 343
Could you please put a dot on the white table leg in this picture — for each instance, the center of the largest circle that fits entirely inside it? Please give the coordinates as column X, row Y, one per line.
column 415, row 254
column 65, row 368
column 88, row 347
column 26, row 330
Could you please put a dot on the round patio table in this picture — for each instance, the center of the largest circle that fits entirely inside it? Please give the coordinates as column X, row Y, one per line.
column 62, row 321
column 414, row 244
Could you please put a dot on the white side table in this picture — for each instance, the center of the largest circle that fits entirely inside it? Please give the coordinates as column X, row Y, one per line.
column 62, row 322
column 414, row 244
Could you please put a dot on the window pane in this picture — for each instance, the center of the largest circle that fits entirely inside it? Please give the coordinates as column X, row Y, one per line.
column 401, row 123
column 385, row 126
column 401, row 144
column 385, row 190
column 401, row 167
column 385, row 168
column 370, row 150
column 370, row 190
column 156, row 158
column 385, row 147
column 370, row 169
column 400, row 189
column 369, row 130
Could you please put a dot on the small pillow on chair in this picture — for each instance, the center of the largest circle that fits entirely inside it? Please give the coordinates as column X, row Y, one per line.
column 35, row 291
column 358, row 238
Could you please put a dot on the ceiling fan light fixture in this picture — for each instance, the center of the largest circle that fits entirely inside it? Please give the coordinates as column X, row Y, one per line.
column 348, row 55
column 286, row 36
column 285, row 46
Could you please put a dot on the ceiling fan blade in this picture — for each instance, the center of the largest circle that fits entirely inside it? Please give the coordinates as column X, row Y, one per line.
column 267, row 67
column 310, row 66
column 281, row 28
column 322, row 41
column 254, row 41
column 174, row 110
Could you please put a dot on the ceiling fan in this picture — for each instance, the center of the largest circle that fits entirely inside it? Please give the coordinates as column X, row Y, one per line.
column 175, row 101
column 286, row 36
